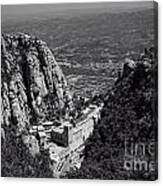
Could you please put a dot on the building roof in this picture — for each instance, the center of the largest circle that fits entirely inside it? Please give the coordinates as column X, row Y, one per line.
column 40, row 128
column 59, row 129
column 48, row 123
column 42, row 134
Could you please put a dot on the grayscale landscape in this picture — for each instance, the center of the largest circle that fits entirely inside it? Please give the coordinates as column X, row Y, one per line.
column 79, row 82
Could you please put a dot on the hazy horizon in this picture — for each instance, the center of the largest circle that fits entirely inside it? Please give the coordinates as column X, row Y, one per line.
column 13, row 11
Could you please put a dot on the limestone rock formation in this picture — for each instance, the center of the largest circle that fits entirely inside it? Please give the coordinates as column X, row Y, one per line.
column 33, row 86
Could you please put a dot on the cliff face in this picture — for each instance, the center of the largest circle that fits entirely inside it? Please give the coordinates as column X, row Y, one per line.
column 33, row 85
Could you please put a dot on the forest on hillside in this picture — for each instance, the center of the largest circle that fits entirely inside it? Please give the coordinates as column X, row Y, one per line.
column 130, row 112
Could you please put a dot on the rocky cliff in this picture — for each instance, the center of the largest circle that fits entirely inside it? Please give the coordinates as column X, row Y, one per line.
column 33, row 86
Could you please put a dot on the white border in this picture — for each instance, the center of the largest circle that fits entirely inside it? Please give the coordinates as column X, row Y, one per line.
column 41, row 182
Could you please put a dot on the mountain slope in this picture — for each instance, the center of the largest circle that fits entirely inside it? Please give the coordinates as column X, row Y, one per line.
column 33, row 90
column 129, row 117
